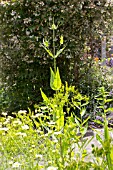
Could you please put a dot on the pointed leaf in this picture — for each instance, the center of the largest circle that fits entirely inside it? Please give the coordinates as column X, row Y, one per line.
column 109, row 110
column 59, row 52
column 60, row 119
column 48, row 51
column 106, row 131
column 61, row 40
column 99, row 138
column 111, row 154
column 46, row 43
column 45, row 98
column 53, row 27
column 57, row 80
column 52, row 77
column 108, row 100
column 77, row 122
column 86, row 120
column 82, row 112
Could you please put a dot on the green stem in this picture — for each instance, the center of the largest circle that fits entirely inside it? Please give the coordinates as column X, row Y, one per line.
column 61, row 152
column 54, row 65
column 54, row 47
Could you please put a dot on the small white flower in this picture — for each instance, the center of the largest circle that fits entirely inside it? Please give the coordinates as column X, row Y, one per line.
column 37, row 115
column 4, row 129
column 38, row 156
column 51, row 123
column 13, row 13
column 27, row 20
column 10, row 162
column 22, row 111
column 21, row 134
column 4, row 113
column 6, row 122
column 25, row 127
column 31, row 46
column 17, row 122
column 55, row 140
column 52, row 168
column 36, row 38
column 57, row 133
column 33, row 146
column 27, row 32
column 16, row 165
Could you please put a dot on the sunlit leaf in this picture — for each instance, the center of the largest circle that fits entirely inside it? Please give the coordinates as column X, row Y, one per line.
column 59, row 52
column 46, row 43
column 52, row 77
column 60, row 119
column 111, row 154
column 77, row 122
column 61, row 40
column 45, row 98
column 99, row 138
column 53, row 27
column 108, row 100
column 109, row 110
column 48, row 51
column 55, row 80
column 82, row 112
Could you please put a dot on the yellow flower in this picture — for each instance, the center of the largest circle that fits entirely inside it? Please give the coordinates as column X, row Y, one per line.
column 96, row 59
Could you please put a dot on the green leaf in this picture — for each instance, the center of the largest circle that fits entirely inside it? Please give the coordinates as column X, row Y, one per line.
column 55, row 80
column 108, row 100
column 59, row 52
column 53, row 27
column 49, row 52
column 86, row 120
column 52, row 77
column 76, row 104
column 99, row 98
column 109, row 110
column 84, row 104
column 106, row 131
column 45, row 98
column 77, row 122
column 61, row 40
column 111, row 154
column 46, row 43
column 60, row 119
column 82, row 112
column 99, row 138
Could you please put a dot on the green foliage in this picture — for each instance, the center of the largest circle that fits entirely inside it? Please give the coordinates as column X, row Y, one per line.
column 4, row 100
column 25, row 23
column 23, row 147
column 55, row 81
column 106, row 150
column 31, row 148
column 95, row 77
column 65, row 103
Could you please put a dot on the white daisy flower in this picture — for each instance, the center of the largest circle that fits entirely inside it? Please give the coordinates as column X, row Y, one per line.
column 25, row 127
column 16, row 165
column 52, row 168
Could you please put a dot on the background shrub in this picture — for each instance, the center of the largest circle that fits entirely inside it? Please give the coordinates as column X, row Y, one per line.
column 24, row 25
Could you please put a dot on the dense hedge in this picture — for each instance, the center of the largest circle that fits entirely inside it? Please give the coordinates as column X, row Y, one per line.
column 24, row 24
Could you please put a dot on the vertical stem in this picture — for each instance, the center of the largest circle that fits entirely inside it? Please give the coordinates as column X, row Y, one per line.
column 54, row 47
column 61, row 152
column 54, row 62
